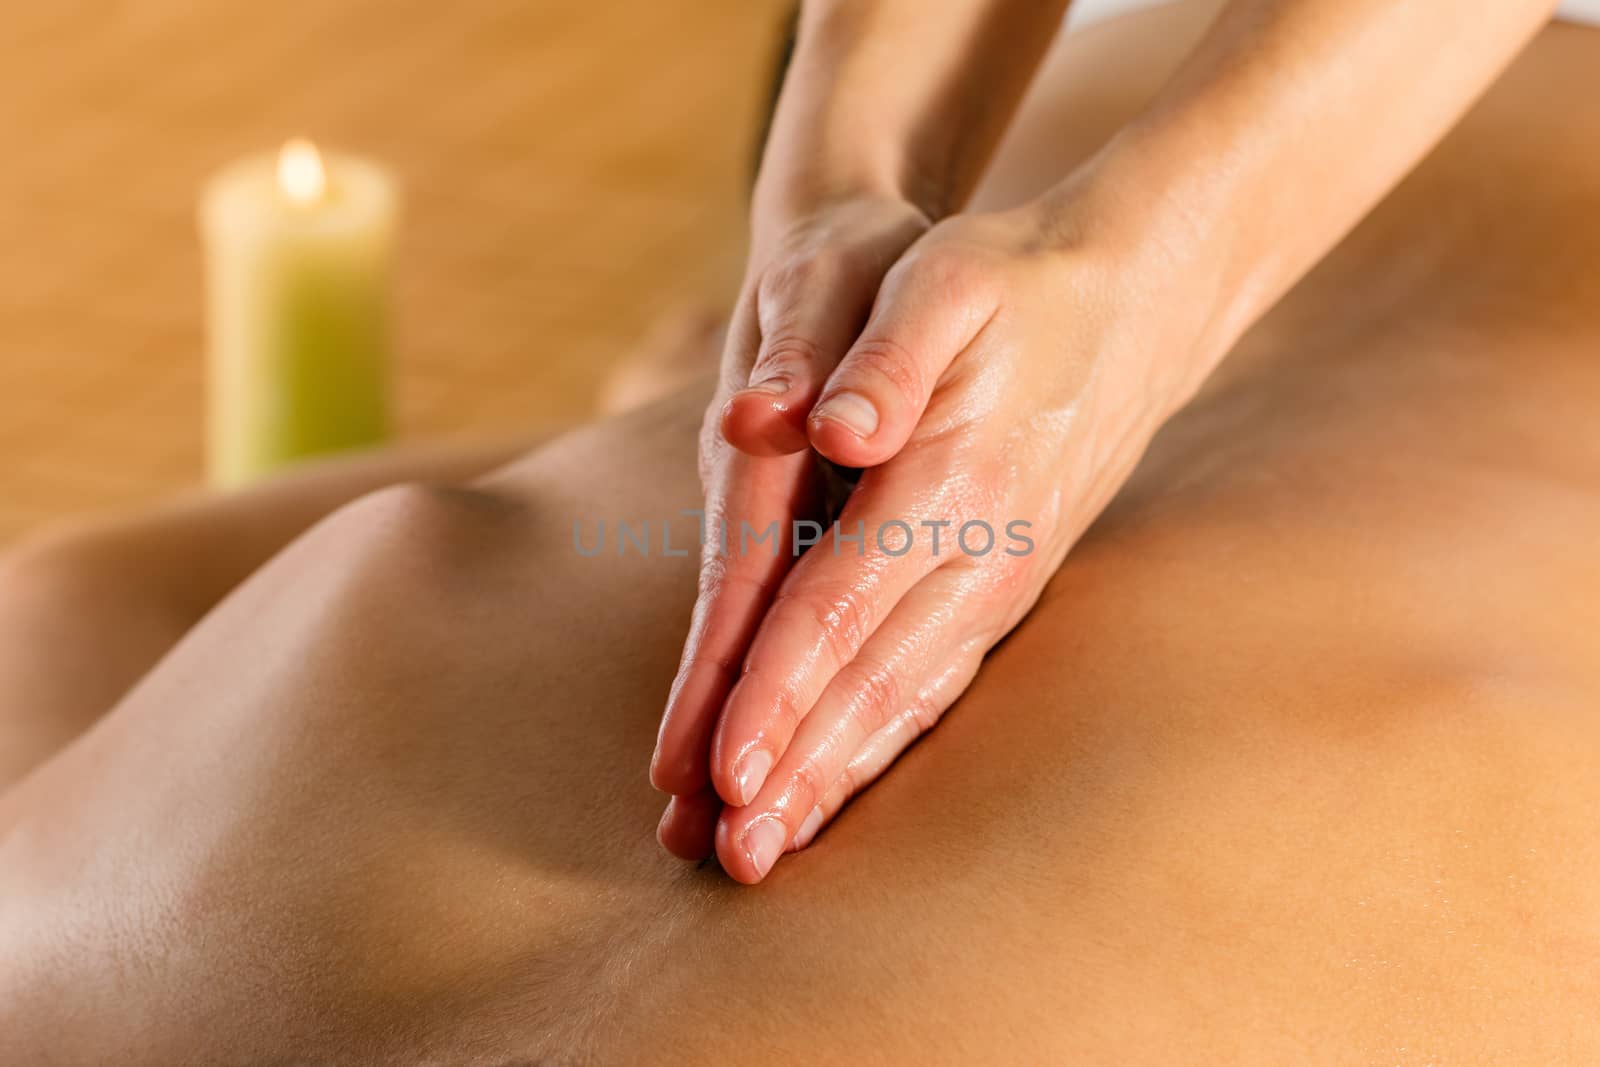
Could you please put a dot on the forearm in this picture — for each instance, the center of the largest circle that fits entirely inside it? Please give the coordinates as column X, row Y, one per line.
column 1289, row 121
column 899, row 98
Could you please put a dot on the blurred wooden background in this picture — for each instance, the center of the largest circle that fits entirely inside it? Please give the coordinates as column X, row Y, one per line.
column 572, row 172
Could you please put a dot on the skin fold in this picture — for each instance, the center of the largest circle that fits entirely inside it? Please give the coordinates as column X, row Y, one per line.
column 1293, row 760
column 1005, row 364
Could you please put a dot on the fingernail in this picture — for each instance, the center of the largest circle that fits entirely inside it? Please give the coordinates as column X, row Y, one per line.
column 774, row 385
column 809, row 828
column 853, row 410
column 763, row 843
column 751, row 773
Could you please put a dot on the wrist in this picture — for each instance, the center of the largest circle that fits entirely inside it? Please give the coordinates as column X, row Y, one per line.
column 784, row 196
column 1162, row 240
column 1161, row 317
column 840, row 133
column 843, row 210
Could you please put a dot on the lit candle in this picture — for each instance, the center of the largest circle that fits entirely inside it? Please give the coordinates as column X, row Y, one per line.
column 297, row 271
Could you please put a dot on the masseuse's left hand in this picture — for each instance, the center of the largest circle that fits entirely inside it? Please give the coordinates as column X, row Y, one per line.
column 1003, row 388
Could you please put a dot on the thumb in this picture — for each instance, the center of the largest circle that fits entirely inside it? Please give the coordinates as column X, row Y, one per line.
column 809, row 310
column 926, row 314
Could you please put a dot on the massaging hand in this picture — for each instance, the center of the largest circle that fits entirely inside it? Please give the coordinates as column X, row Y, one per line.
column 1001, row 390
column 813, row 277
column 1014, row 365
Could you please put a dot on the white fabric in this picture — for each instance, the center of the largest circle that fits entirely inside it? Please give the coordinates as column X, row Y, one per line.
column 1580, row 11
column 1083, row 12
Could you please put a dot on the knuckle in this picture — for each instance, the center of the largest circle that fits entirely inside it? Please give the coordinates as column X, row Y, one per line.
column 789, row 276
column 714, row 576
column 841, row 616
column 852, row 781
column 787, row 709
column 724, row 664
column 970, row 653
column 922, row 713
column 885, row 359
column 828, row 260
column 876, row 690
column 1013, row 579
column 778, row 282
column 810, row 783
column 788, row 353
column 841, row 789
column 950, row 273
column 719, row 577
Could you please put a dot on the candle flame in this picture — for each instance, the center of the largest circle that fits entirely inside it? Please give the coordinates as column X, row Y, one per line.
column 300, row 172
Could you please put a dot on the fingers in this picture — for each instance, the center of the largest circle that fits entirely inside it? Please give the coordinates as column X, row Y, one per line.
column 826, row 609
column 927, row 313
column 899, row 685
column 875, row 756
column 688, row 825
column 885, row 746
column 736, row 586
column 809, row 310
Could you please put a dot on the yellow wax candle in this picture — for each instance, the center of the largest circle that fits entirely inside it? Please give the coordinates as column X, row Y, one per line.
column 297, row 275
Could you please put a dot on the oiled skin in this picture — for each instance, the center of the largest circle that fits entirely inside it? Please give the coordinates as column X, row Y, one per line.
column 1295, row 762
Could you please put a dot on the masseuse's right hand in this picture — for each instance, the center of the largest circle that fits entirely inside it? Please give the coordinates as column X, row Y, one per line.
column 812, row 279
